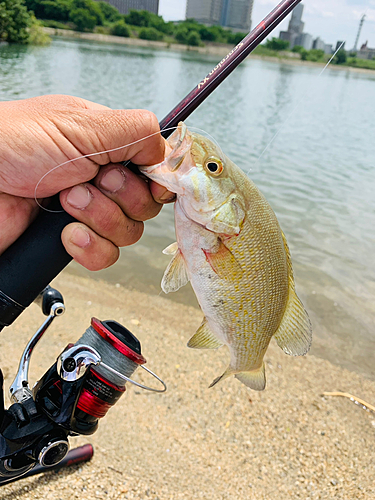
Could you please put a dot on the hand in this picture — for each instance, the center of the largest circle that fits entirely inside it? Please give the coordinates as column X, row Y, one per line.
column 40, row 133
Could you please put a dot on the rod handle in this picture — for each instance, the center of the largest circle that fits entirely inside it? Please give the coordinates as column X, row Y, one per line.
column 32, row 262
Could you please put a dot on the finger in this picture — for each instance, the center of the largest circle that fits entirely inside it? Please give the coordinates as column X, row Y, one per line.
column 135, row 134
column 160, row 193
column 88, row 248
column 91, row 207
column 130, row 191
column 16, row 214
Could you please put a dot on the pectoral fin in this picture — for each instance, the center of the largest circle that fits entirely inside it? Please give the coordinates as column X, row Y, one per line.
column 228, row 218
column 223, row 262
column 171, row 249
column 294, row 334
column 175, row 275
column 204, row 338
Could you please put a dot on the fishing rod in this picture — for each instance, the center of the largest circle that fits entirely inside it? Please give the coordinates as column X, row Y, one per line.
column 89, row 376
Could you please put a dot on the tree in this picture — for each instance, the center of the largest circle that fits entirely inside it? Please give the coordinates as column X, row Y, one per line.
column 120, row 29
column 181, row 35
column 193, row 38
column 92, row 9
column 14, row 21
column 150, row 34
column 298, row 49
column 315, row 55
column 110, row 13
column 138, row 18
column 82, row 19
column 235, row 38
column 277, row 44
column 340, row 57
column 53, row 9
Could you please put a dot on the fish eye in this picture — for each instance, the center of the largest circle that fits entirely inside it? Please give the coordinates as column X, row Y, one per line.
column 214, row 166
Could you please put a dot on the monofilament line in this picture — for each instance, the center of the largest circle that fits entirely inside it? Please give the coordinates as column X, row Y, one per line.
column 308, row 91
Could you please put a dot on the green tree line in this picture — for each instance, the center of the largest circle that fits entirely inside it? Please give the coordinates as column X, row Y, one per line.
column 16, row 17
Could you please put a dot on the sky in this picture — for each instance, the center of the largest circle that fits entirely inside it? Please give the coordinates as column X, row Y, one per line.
column 331, row 20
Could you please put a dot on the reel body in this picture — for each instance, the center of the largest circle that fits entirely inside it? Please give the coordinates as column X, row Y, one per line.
column 76, row 391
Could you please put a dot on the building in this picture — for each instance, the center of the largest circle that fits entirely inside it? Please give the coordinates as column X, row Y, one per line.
column 328, row 48
column 295, row 24
column 318, row 44
column 204, row 11
column 296, row 36
column 305, row 40
column 234, row 14
column 295, row 27
column 365, row 52
column 124, row 6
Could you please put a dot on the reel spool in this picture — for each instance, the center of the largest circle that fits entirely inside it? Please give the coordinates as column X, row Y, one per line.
column 120, row 351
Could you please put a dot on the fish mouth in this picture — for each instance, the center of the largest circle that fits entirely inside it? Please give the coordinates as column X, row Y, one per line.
column 180, row 141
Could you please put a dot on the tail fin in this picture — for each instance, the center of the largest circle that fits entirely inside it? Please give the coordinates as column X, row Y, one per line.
column 255, row 379
column 226, row 374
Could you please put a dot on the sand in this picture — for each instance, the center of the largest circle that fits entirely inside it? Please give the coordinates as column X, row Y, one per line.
column 191, row 442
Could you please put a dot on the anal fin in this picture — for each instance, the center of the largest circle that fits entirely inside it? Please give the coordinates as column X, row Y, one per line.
column 204, row 338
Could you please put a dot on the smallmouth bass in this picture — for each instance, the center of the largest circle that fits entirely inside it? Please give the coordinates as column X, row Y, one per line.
column 232, row 250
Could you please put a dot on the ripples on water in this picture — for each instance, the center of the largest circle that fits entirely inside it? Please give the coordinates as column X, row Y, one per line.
column 318, row 173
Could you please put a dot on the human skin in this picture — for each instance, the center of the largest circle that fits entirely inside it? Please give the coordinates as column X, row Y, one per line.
column 40, row 133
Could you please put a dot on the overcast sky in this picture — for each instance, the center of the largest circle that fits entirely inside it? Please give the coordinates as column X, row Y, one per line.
column 332, row 20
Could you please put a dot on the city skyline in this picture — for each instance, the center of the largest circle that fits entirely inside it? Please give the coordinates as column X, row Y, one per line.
column 330, row 20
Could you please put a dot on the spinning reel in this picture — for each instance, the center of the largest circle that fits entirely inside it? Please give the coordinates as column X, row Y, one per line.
column 87, row 378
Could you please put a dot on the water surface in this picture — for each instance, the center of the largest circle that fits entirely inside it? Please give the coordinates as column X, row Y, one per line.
column 318, row 173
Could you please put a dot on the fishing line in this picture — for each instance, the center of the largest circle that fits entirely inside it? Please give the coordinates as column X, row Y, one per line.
column 307, row 92
column 108, row 151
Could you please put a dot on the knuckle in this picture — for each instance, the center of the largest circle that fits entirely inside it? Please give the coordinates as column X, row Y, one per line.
column 131, row 233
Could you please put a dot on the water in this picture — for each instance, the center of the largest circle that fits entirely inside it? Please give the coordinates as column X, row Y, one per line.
column 318, row 173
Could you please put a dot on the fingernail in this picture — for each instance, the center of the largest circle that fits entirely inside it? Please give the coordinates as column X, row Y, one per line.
column 167, row 196
column 113, row 180
column 79, row 197
column 80, row 237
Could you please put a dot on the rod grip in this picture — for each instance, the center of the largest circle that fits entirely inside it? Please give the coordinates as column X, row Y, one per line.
column 32, row 262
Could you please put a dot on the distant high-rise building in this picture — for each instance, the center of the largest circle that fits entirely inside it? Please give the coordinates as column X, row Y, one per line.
column 204, row 11
column 234, row 14
column 295, row 34
column 318, row 44
column 305, row 40
column 124, row 6
column 295, row 24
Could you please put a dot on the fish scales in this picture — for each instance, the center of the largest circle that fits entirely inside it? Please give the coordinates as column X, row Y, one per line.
column 231, row 248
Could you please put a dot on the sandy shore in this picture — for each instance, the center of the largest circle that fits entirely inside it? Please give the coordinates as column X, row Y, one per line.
column 228, row 442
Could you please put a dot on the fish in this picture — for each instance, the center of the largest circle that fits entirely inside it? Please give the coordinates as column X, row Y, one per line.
column 232, row 250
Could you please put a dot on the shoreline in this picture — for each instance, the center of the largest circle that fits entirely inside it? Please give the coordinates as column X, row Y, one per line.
column 235, row 443
column 209, row 49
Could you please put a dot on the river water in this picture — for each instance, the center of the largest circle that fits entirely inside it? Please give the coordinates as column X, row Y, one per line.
column 318, row 173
